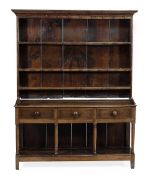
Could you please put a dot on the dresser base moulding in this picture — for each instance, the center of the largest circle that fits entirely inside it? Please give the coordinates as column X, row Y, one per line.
column 93, row 157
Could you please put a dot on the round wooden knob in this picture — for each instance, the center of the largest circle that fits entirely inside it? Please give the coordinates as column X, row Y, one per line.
column 36, row 114
column 115, row 113
column 75, row 114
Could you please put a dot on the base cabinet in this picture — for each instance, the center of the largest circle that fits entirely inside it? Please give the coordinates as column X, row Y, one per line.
column 56, row 132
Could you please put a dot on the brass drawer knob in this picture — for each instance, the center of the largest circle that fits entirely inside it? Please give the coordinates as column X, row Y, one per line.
column 115, row 113
column 36, row 114
column 76, row 114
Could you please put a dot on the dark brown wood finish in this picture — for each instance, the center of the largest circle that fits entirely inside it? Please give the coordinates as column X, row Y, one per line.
column 51, row 52
column 64, row 54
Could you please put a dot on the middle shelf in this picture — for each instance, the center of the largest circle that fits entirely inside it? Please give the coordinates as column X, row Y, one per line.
column 76, row 79
column 75, row 43
column 73, row 70
column 75, row 88
column 74, row 57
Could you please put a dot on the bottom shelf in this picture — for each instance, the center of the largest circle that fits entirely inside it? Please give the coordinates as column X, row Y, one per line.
column 89, row 157
column 34, row 152
column 114, row 150
column 76, row 151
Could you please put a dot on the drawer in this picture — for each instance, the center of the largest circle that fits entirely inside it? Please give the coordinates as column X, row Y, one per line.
column 36, row 113
column 76, row 114
column 115, row 113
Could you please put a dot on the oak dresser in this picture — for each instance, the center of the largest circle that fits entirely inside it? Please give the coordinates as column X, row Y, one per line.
column 74, row 86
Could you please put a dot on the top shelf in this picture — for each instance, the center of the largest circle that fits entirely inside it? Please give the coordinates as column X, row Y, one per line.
column 74, row 31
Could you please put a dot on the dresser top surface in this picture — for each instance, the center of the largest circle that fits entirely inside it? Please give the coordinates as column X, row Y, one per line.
column 75, row 103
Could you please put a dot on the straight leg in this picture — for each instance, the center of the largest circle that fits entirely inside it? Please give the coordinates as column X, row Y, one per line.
column 132, row 161
column 132, row 145
column 17, row 146
column 17, row 163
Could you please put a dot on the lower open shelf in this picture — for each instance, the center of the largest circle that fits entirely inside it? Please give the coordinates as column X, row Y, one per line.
column 75, row 142
column 74, row 139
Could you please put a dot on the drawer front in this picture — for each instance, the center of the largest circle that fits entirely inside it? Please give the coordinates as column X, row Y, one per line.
column 76, row 113
column 115, row 113
column 36, row 113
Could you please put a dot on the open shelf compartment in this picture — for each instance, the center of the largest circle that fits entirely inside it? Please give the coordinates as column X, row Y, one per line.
column 74, row 139
column 36, row 139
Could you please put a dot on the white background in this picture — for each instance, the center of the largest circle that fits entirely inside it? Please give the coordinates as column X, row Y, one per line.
column 144, row 71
